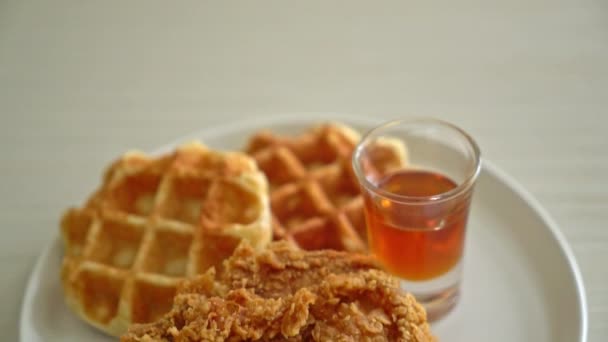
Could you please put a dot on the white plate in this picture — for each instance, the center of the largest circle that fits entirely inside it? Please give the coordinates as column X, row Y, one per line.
column 521, row 281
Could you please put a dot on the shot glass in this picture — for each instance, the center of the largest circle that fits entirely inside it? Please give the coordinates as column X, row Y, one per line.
column 416, row 213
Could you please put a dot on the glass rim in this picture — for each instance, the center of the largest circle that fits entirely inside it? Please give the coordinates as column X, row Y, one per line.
column 444, row 196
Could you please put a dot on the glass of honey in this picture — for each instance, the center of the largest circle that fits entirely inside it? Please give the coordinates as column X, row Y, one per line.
column 416, row 209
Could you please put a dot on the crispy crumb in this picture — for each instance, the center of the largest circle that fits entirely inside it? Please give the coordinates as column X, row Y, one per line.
column 282, row 294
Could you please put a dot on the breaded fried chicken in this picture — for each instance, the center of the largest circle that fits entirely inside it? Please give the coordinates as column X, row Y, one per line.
column 282, row 294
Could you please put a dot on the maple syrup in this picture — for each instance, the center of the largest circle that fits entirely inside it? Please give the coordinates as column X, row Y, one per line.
column 414, row 235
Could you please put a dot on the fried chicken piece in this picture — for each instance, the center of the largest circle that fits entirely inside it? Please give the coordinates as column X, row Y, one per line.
column 282, row 294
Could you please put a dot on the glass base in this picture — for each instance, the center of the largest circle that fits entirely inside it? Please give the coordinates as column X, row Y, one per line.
column 439, row 295
column 440, row 304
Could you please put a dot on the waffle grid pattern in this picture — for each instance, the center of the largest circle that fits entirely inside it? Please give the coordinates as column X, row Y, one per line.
column 153, row 223
column 315, row 197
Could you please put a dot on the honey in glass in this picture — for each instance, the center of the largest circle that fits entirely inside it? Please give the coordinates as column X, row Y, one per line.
column 421, row 237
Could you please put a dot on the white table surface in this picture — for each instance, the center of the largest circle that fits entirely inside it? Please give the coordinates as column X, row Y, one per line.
column 82, row 81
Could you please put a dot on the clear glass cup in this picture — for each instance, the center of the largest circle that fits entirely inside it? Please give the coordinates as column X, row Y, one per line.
column 416, row 213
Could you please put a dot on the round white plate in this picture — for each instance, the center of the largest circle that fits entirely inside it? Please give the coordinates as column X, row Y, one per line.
column 521, row 281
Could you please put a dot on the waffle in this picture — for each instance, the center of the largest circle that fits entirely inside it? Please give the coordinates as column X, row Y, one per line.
column 153, row 223
column 314, row 195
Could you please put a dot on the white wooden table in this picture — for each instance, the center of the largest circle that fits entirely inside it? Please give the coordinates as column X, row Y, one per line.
column 80, row 82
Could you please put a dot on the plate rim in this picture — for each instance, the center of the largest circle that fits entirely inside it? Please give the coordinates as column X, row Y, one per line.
column 219, row 129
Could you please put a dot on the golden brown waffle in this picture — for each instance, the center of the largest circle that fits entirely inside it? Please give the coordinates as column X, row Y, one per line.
column 154, row 222
column 315, row 198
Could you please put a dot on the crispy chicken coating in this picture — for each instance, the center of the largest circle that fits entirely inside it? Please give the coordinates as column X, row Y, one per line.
column 283, row 294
